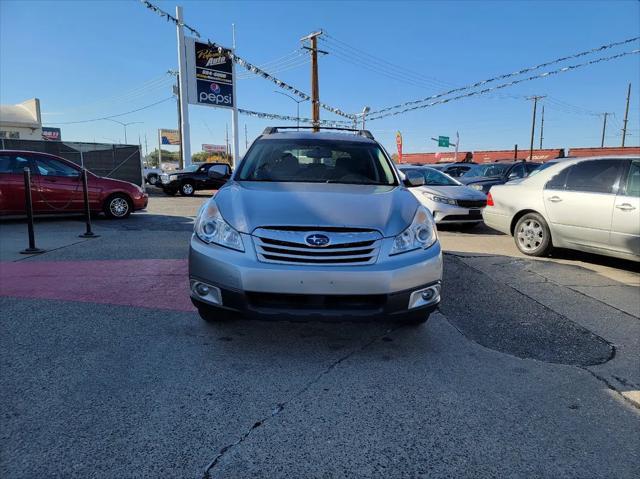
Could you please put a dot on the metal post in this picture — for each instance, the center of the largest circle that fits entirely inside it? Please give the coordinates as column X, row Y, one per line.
column 185, row 137
column 87, row 211
column 159, row 149
column 234, row 116
column 542, row 127
column 604, row 129
column 29, row 207
column 626, row 116
column 515, row 152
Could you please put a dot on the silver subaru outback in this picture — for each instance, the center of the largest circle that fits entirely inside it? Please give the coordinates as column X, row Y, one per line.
column 315, row 225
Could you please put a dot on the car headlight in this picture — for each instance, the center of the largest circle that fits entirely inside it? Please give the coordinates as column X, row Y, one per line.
column 441, row 199
column 173, row 177
column 421, row 233
column 210, row 227
column 477, row 187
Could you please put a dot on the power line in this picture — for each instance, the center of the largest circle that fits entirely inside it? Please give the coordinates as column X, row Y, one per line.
column 504, row 85
column 398, row 68
column 507, row 75
column 113, row 116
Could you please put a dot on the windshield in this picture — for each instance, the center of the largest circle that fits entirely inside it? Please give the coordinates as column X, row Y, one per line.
column 433, row 177
column 491, row 170
column 542, row 167
column 192, row 167
column 316, row 161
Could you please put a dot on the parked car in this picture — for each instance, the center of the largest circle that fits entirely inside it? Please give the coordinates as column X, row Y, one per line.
column 455, row 170
column 588, row 204
column 483, row 176
column 318, row 225
column 152, row 175
column 57, row 187
column 448, row 200
column 199, row 176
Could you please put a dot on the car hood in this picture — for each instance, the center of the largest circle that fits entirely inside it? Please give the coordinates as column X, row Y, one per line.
column 250, row 205
column 467, row 180
column 456, row 192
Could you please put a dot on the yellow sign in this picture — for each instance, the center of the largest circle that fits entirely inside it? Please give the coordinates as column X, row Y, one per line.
column 169, row 137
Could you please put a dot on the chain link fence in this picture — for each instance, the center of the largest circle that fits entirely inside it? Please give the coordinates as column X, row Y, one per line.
column 121, row 162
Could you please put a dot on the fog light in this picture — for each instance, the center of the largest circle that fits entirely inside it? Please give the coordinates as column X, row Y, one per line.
column 425, row 297
column 202, row 289
column 206, row 292
column 428, row 294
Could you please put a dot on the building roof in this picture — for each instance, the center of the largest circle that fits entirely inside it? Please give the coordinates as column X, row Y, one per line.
column 25, row 114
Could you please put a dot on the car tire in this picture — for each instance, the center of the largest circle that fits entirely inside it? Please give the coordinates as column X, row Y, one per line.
column 187, row 189
column 532, row 235
column 118, row 206
column 152, row 179
column 216, row 315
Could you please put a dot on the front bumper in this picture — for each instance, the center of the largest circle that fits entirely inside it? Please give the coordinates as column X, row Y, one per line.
column 250, row 286
column 140, row 201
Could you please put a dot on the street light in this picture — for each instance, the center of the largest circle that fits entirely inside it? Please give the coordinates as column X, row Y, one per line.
column 297, row 105
column 365, row 110
column 125, row 125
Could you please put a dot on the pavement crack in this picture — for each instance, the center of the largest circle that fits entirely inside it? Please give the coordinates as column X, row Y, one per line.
column 281, row 406
column 610, row 386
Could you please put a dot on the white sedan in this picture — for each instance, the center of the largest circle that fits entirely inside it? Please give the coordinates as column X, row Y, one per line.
column 448, row 200
column 587, row 204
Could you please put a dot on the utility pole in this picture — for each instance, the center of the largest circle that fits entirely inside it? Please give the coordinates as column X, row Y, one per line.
column 535, row 99
column 626, row 116
column 604, row 127
column 542, row 127
column 315, row 87
column 146, row 145
column 185, row 133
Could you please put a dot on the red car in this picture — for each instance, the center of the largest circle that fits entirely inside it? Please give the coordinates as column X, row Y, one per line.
column 56, row 187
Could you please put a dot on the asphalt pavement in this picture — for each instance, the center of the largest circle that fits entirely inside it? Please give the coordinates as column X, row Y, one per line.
column 530, row 368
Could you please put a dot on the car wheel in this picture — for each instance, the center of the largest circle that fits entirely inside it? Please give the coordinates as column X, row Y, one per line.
column 216, row 315
column 532, row 235
column 118, row 206
column 153, row 180
column 187, row 189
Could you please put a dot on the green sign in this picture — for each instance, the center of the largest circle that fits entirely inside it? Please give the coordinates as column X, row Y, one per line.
column 443, row 141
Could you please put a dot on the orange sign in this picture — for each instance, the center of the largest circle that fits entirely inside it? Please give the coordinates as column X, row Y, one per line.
column 399, row 145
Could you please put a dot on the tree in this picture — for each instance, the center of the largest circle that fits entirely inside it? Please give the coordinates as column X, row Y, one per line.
column 152, row 158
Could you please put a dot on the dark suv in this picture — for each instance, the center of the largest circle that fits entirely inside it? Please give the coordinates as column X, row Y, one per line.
column 483, row 176
column 200, row 176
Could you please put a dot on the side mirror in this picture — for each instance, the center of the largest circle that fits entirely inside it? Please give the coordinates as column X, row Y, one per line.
column 413, row 179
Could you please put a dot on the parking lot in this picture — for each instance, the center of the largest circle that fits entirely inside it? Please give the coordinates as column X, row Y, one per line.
column 530, row 368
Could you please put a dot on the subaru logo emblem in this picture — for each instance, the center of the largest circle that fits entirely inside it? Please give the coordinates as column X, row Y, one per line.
column 318, row 240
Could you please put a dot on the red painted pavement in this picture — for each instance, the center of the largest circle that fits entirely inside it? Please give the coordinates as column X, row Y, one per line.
column 150, row 283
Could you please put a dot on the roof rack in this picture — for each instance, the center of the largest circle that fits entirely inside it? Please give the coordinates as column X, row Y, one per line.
column 270, row 130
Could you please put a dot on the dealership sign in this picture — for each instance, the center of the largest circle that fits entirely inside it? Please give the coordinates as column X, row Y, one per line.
column 51, row 134
column 214, row 148
column 169, row 137
column 399, row 145
column 209, row 75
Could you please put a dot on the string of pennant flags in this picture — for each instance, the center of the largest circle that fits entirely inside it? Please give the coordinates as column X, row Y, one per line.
column 169, row 17
column 506, row 75
column 247, row 65
column 274, row 116
column 380, row 115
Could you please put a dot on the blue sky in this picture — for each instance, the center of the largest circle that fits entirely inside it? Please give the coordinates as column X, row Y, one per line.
column 91, row 59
